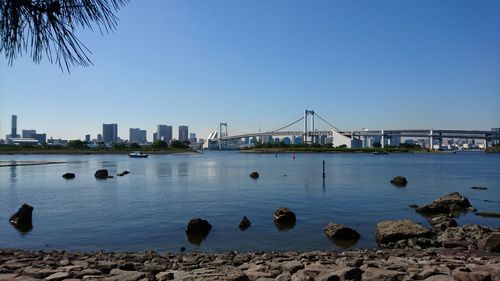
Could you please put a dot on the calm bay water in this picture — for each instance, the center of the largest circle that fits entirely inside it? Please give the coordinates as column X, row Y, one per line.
column 150, row 208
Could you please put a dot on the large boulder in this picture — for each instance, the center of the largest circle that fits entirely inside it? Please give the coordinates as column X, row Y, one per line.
column 254, row 175
column 399, row 181
column 338, row 231
column 197, row 230
column 245, row 223
column 442, row 222
column 101, row 174
column 68, row 176
column 449, row 203
column 284, row 217
column 22, row 219
column 491, row 243
column 393, row 231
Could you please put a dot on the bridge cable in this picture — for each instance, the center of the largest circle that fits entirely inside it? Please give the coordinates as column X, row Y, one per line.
column 336, row 129
column 284, row 127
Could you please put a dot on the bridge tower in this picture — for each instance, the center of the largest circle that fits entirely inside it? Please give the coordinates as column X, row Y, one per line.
column 222, row 133
column 305, row 137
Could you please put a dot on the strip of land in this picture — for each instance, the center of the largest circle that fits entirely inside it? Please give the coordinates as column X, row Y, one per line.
column 28, row 163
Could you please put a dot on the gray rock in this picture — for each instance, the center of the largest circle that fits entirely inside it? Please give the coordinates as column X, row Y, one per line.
column 68, row 176
column 393, row 231
column 57, row 276
column 338, row 231
column 446, row 204
column 399, row 181
column 284, row 217
column 292, row 266
column 491, row 243
column 101, row 174
column 22, row 219
column 254, row 175
column 245, row 223
column 379, row 274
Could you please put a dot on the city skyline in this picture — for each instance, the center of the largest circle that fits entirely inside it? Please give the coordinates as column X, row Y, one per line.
column 425, row 64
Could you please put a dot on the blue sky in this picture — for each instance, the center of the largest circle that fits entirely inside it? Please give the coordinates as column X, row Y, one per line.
column 258, row 64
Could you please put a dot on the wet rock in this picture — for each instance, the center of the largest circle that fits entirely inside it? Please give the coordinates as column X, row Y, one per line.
column 446, row 204
column 284, row 217
column 338, row 231
column 491, row 243
column 126, row 172
column 488, row 214
column 254, row 175
column 479, row 188
column 245, row 223
column 197, row 230
column 68, row 176
column 392, row 231
column 120, row 175
column 101, row 174
column 413, row 206
column 22, row 219
column 442, row 222
column 399, row 181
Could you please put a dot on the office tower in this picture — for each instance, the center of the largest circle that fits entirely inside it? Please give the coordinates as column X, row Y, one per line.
column 13, row 132
column 99, row 138
column 164, row 132
column 87, row 138
column 109, row 133
column 27, row 134
column 41, row 138
column 137, row 135
column 192, row 137
column 183, row 133
column 155, row 136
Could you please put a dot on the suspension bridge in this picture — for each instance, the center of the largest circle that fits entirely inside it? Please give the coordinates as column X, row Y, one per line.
column 219, row 139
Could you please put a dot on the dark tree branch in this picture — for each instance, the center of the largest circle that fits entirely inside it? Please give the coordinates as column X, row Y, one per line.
column 46, row 28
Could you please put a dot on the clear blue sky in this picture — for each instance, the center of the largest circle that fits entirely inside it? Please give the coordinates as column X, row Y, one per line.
column 359, row 64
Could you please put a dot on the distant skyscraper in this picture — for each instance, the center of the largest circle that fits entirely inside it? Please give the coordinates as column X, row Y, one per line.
column 13, row 131
column 87, row 138
column 192, row 137
column 137, row 135
column 183, row 133
column 164, row 132
column 109, row 133
column 155, row 136
column 99, row 138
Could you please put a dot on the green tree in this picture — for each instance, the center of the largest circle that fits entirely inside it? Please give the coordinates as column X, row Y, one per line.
column 77, row 144
column 47, row 28
column 178, row 144
column 159, row 144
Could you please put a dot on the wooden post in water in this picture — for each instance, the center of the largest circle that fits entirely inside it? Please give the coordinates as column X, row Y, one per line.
column 324, row 174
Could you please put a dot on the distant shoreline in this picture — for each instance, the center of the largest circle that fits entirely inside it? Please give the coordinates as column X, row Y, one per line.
column 91, row 152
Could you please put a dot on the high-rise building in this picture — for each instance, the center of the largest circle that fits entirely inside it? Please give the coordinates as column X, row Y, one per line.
column 183, row 133
column 137, row 135
column 99, row 138
column 164, row 132
column 109, row 133
column 27, row 134
column 13, row 132
column 87, row 138
column 155, row 136
column 192, row 137
column 41, row 138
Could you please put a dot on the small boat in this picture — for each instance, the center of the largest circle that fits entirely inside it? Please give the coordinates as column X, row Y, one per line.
column 380, row 153
column 138, row 154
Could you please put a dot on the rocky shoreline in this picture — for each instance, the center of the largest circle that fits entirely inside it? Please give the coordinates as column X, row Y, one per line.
column 386, row 264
